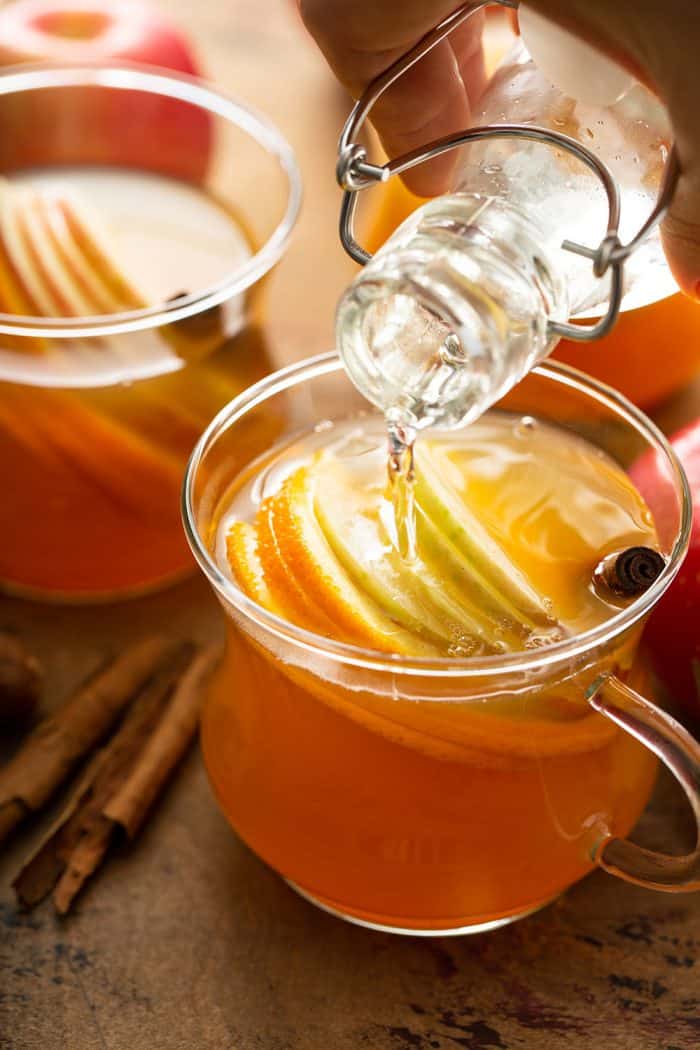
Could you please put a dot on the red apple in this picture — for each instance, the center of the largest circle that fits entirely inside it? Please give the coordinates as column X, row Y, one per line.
column 672, row 635
column 96, row 125
column 79, row 30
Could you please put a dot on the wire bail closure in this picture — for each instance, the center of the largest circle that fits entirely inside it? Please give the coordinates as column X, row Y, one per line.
column 355, row 173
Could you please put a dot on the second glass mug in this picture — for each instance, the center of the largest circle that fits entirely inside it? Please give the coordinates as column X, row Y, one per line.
column 442, row 796
column 98, row 414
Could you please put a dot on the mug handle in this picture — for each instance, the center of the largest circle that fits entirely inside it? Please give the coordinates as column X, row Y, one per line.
column 680, row 753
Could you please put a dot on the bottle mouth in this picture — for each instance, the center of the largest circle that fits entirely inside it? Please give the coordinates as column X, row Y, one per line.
column 451, row 312
column 430, row 363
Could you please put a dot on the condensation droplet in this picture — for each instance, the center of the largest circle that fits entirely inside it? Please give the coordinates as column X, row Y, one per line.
column 525, row 427
column 492, row 169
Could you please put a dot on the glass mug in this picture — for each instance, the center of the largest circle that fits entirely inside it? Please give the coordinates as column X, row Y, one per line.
column 100, row 406
column 448, row 795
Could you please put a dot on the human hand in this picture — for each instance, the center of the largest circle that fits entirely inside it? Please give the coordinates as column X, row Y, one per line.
column 658, row 43
column 361, row 38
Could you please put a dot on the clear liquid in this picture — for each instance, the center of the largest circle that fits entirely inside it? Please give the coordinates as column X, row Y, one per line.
column 401, row 473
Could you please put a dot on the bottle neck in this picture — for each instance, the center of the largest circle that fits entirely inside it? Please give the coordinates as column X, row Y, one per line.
column 451, row 312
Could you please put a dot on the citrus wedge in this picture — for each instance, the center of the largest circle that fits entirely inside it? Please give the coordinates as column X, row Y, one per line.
column 245, row 564
column 281, row 581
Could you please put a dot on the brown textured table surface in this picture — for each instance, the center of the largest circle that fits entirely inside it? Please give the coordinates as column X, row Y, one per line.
column 186, row 940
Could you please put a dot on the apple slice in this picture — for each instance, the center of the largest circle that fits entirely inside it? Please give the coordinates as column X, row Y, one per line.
column 57, row 259
column 23, row 256
column 50, row 266
column 14, row 296
column 92, row 241
column 460, row 544
column 458, row 577
column 350, row 516
column 352, row 612
column 69, row 265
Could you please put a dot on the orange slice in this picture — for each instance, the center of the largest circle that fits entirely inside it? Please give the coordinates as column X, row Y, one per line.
column 299, row 607
column 321, row 577
column 245, row 564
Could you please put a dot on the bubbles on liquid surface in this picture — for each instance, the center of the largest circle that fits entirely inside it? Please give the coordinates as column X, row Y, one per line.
column 525, row 427
column 542, row 639
column 462, row 644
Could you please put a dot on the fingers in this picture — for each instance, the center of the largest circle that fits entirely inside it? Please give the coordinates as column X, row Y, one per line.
column 430, row 100
column 434, row 98
column 681, row 233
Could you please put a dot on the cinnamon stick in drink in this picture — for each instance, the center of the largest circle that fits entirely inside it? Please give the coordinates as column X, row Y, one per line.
column 121, row 782
column 54, row 748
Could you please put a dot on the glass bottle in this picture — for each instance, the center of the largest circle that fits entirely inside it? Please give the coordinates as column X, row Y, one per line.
column 453, row 310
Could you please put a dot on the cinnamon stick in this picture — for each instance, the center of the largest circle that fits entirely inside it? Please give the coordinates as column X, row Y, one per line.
column 121, row 782
column 166, row 746
column 53, row 749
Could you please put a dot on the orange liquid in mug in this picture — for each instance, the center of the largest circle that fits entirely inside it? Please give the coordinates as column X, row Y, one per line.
column 407, row 801
column 95, row 432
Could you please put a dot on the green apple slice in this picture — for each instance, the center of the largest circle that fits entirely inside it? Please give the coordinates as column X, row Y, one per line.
column 408, row 591
column 454, row 538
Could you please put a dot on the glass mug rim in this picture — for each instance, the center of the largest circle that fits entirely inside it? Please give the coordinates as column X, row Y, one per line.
column 167, row 83
column 443, row 667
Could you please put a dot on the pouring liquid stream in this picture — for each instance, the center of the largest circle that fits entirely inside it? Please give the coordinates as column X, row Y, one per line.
column 401, row 471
